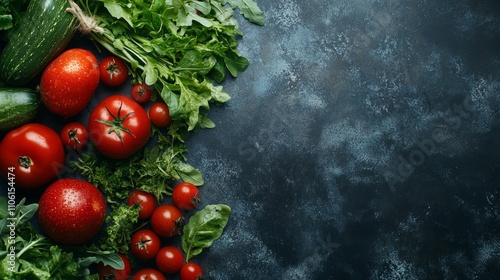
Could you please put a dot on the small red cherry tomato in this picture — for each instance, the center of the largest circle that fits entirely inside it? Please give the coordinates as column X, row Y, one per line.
column 186, row 196
column 167, row 220
column 141, row 93
column 169, row 259
column 107, row 272
column 74, row 135
column 159, row 114
column 113, row 71
column 149, row 274
column 145, row 201
column 191, row 271
column 145, row 244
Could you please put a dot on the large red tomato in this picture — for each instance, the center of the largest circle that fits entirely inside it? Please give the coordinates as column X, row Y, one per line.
column 71, row 211
column 69, row 82
column 119, row 127
column 32, row 155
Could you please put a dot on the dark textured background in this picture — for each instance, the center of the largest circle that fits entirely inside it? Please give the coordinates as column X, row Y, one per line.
column 361, row 143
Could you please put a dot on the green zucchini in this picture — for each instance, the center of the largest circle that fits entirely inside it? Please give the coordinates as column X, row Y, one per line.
column 45, row 30
column 17, row 106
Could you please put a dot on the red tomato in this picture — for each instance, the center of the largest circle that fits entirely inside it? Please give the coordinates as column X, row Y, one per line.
column 119, row 127
column 71, row 211
column 107, row 272
column 167, row 220
column 113, row 71
column 149, row 274
column 141, row 93
column 159, row 114
column 69, row 82
column 169, row 259
column 145, row 244
column 145, row 201
column 186, row 196
column 31, row 155
column 191, row 271
column 74, row 135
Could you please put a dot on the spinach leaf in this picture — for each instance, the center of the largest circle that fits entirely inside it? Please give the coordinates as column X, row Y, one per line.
column 203, row 228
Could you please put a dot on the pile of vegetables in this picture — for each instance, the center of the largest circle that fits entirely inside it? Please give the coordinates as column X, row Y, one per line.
column 122, row 180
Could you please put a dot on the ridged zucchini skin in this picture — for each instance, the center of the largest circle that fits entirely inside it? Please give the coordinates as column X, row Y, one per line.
column 46, row 29
column 17, row 106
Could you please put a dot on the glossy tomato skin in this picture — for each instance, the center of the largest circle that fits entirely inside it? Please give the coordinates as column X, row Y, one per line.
column 191, row 271
column 74, row 135
column 69, row 82
column 145, row 244
column 107, row 272
column 118, row 127
column 146, row 201
column 169, row 260
column 113, row 71
column 71, row 211
column 141, row 93
column 186, row 196
column 167, row 220
column 34, row 153
column 149, row 274
column 159, row 114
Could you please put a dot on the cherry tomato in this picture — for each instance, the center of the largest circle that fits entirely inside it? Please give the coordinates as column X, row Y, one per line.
column 69, row 82
column 149, row 274
column 141, row 93
column 31, row 156
column 74, row 135
column 71, row 211
column 113, row 71
column 159, row 114
column 107, row 272
column 119, row 127
column 186, row 196
column 167, row 220
column 169, row 259
column 191, row 271
column 145, row 244
column 145, row 201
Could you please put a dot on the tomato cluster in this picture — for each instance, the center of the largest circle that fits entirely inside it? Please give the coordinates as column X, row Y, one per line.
column 154, row 243
column 118, row 126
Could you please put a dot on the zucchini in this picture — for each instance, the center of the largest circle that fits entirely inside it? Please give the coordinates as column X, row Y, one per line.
column 17, row 106
column 45, row 30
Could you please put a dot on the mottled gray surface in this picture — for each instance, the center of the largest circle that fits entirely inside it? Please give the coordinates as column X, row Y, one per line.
column 362, row 143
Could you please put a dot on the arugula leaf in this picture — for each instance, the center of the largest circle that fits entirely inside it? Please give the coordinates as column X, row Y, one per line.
column 176, row 46
column 203, row 228
column 248, row 9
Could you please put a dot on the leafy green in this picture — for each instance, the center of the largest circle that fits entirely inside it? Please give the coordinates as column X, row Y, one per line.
column 248, row 9
column 177, row 46
column 203, row 228
column 27, row 254
column 119, row 229
column 10, row 12
column 152, row 169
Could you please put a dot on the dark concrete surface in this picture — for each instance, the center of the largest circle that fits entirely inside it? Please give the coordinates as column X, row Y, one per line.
column 361, row 143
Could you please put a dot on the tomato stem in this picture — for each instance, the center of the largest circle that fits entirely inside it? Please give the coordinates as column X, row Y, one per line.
column 25, row 161
column 116, row 124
